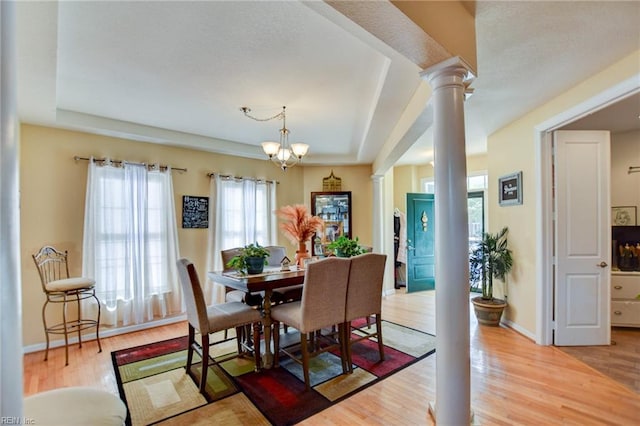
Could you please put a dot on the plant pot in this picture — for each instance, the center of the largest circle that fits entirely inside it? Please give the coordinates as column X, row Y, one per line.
column 488, row 311
column 255, row 265
column 340, row 253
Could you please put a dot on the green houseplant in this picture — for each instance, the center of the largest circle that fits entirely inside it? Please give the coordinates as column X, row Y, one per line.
column 250, row 260
column 344, row 246
column 490, row 259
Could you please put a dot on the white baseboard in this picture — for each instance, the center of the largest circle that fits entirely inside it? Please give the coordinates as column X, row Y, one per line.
column 519, row 329
column 105, row 333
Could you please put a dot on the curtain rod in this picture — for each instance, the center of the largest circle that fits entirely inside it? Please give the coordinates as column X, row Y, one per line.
column 634, row 169
column 239, row 177
column 102, row 160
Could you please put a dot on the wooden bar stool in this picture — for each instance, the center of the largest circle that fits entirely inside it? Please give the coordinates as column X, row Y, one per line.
column 60, row 288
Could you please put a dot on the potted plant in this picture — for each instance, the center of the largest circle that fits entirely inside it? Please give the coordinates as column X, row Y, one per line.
column 250, row 260
column 490, row 259
column 299, row 226
column 344, row 246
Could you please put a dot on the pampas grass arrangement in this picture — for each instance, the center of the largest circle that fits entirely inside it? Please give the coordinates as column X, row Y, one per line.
column 299, row 226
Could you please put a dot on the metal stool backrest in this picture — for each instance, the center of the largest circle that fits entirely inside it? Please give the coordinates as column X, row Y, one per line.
column 52, row 265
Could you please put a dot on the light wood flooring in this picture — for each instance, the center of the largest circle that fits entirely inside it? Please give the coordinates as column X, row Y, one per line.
column 513, row 380
column 620, row 360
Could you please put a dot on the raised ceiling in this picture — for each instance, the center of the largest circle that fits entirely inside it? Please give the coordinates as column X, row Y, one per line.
column 178, row 72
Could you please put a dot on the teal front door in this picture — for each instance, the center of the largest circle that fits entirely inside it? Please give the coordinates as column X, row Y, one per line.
column 420, row 242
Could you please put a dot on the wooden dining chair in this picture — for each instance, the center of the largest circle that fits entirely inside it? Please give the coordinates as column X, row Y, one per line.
column 207, row 320
column 322, row 306
column 364, row 299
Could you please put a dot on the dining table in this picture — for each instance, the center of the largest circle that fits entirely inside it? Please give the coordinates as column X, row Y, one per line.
column 267, row 281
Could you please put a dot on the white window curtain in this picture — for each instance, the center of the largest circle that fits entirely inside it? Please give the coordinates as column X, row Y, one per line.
column 130, row 242
column 242, row 212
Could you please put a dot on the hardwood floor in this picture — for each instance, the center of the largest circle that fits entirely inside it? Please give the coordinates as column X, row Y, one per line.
column 513, row 380
column 620, row 361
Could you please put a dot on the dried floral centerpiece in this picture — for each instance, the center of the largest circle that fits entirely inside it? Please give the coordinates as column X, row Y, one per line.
column 299, row 226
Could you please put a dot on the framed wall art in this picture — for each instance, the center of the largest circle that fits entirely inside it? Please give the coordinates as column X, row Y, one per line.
column 510, row 189
column 624, row 216
column 195, row 212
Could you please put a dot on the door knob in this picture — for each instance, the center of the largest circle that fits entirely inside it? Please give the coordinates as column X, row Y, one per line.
column 602, row 264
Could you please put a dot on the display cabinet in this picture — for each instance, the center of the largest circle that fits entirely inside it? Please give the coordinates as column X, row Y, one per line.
column 335, row 209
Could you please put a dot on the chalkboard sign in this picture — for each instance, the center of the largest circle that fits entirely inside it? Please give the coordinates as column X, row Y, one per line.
column 195, row 212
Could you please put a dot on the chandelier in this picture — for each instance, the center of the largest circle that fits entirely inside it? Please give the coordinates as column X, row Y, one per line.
column 283, row 154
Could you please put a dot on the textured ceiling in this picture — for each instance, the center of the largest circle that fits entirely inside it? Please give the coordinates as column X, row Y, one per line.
column 178, row 72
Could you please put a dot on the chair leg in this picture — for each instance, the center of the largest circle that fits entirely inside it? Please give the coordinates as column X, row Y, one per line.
column 205, row 362
column 276, row 343
column 347, row 345
column 379, row 333
column 256, row 345
column 239, row 338
column 46, row 330
column 66, row 331
column 305, row 360
column 343, row 353
column 192, row 340
column 79, row 319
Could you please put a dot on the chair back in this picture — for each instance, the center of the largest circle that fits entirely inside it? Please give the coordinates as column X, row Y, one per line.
column 324, row 293
column 366, row 277
column 227, row 255
column 193, row 296
column 52, row 265
column 276, row 254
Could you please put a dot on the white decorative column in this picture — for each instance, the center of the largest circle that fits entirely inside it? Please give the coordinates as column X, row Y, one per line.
column 449, row 80
column 378, row 214
column 10, row 286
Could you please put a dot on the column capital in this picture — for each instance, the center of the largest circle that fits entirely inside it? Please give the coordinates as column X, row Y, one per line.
column 452, row 71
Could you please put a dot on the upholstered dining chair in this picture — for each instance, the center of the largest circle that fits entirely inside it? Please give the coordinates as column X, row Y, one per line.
column 207, row 320
column 230, row 294
column 364, row 298
column 285, row 294
column 322, row 306
column 59, row 287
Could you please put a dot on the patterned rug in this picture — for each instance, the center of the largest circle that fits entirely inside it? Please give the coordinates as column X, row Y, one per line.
column 153, row 383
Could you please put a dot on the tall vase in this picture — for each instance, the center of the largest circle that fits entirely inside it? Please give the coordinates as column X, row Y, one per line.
column 301, row 254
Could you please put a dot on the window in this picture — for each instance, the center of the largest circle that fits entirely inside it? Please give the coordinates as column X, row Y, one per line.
column 245, row 213
column 242, row 213
column 130, row 238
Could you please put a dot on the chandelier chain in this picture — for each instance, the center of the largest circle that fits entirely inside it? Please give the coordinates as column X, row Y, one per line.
column 246, row 111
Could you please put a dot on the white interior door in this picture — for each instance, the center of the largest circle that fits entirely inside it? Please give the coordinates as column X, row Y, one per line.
column 582, row 238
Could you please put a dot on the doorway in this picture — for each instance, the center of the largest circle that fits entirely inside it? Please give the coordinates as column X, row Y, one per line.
column 544, row 209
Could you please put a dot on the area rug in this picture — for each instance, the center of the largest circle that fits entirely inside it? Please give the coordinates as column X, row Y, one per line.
column 153, row 383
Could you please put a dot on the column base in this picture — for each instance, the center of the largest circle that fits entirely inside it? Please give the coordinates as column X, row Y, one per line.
column 432, row 413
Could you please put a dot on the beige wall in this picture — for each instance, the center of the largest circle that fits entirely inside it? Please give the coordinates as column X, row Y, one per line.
column 512, row 149
column 52, row 194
